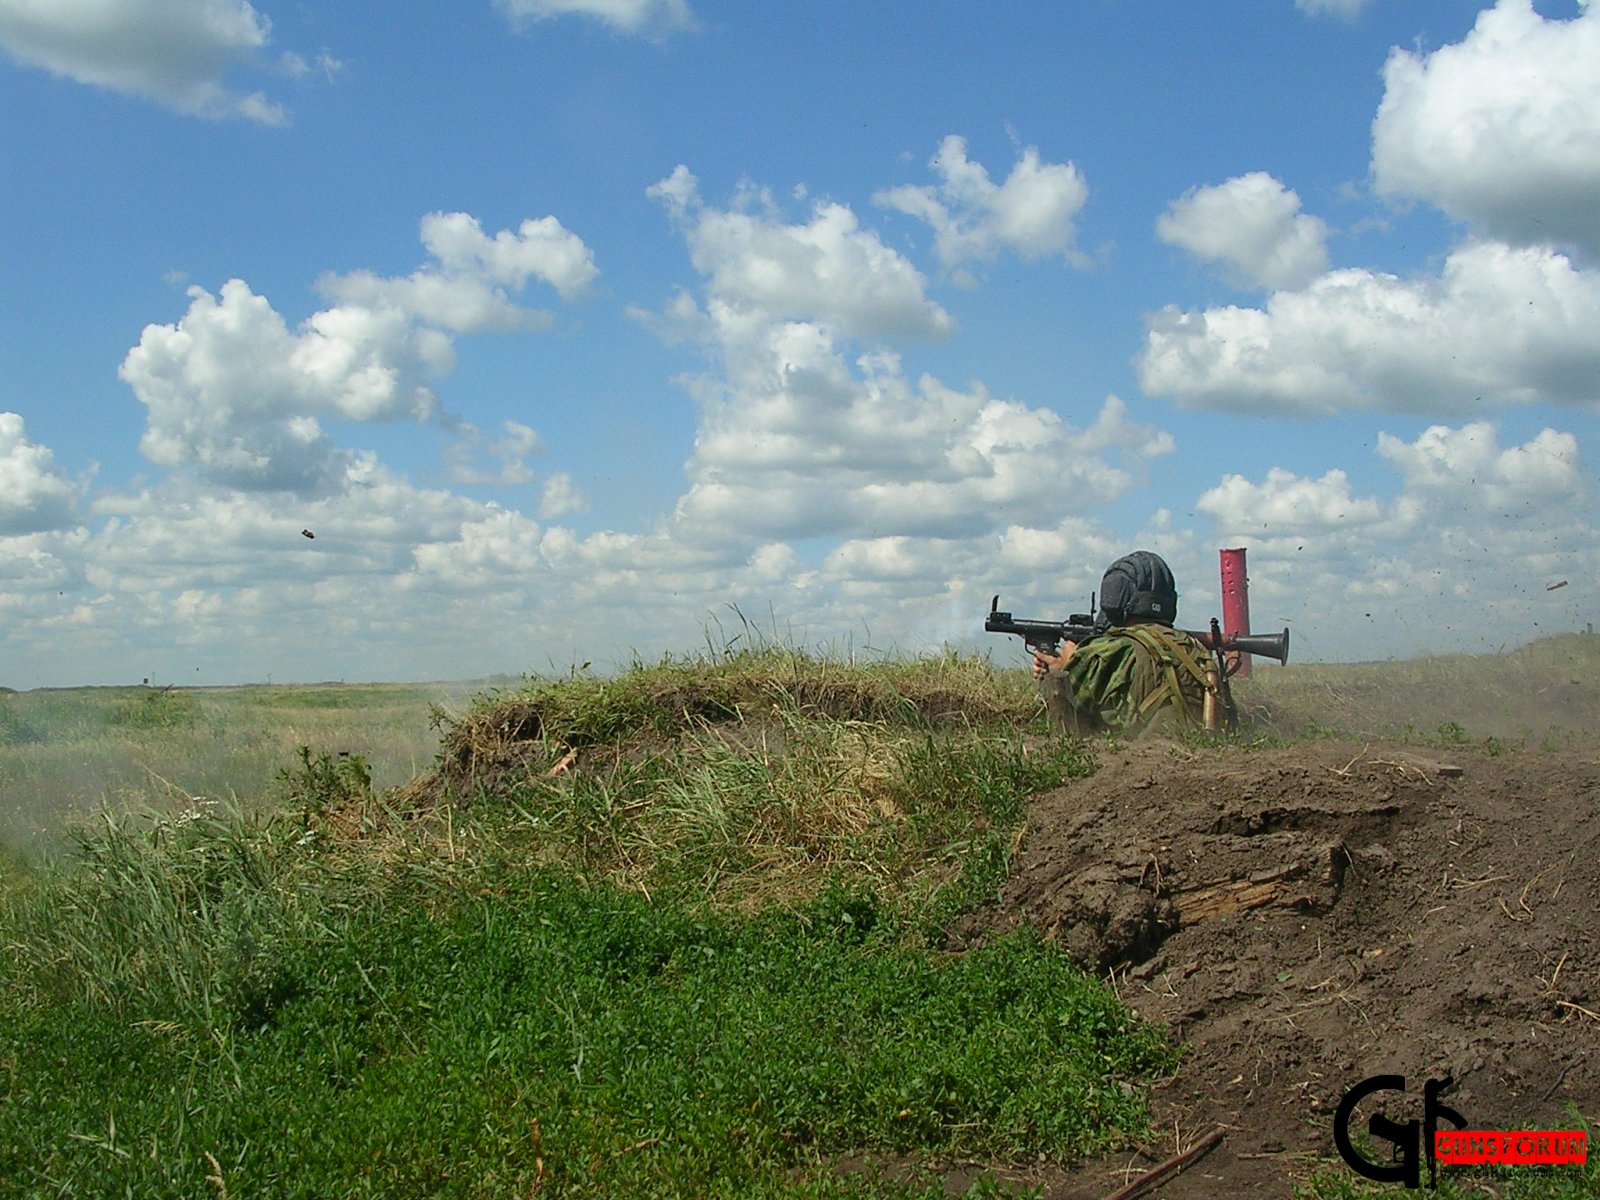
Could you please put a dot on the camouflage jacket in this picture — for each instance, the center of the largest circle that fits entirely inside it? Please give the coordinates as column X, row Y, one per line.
column 1133, row 675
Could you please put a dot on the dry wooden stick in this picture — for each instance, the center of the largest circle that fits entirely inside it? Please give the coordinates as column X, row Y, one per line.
column 1173, row 1166
column 1588, row 1012
column 1551, row 1091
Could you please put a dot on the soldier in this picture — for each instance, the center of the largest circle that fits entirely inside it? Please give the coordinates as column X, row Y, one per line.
column 1137, row 670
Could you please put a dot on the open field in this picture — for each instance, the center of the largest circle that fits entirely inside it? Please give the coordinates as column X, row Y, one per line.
column 765, row 924
column 1546, row 692
column 73, row 750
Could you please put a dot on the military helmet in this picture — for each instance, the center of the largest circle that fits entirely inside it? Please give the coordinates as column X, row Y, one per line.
column 1138, row 587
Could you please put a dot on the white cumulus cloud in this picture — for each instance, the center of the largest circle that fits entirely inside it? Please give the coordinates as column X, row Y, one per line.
column 642, row 18
column 827, row 269
column 465, row 288
column 1288, row 503
column 234, row 394
column 1033, row 213
column 1500, row 325
column 807, row 432
column 1347, row 9
column 560, row 497
column 1251, row 225
column 1500, row 130
column 498, row 543
column 1465, row 471
column 1461, row 555
column 508, row 453
column 796, row 441
column 175, row 52
column 539, row 249
column 35, row 495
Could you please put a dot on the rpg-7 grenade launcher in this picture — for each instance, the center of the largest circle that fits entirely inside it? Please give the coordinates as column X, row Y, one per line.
column 1080, row 627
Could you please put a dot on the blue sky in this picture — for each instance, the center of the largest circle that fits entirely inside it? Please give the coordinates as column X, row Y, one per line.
column 571, row 327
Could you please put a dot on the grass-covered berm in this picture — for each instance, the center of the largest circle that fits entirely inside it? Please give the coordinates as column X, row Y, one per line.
column 679, row 932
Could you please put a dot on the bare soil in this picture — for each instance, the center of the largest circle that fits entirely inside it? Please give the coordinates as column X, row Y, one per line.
column 1303, row 918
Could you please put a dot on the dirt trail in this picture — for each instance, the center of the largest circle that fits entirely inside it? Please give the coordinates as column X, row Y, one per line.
column 1306, row 917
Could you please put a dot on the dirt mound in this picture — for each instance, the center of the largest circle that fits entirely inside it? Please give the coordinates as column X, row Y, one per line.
column 1304, row 918
column 587, row 721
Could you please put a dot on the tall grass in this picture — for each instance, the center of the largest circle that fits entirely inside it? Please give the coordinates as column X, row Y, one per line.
column 65, row 753
column 182, row 919
column 777, row 817
column 351, row 995
column 758, row 776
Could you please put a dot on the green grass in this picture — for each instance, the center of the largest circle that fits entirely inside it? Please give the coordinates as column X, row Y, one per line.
column 323, row 1023
column 706, row 957
column 755, row 778
column 704, row 960
column 664, row 699
column 866, row 801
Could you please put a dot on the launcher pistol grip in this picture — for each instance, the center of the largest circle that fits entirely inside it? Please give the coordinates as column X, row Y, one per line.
column 1038, row 635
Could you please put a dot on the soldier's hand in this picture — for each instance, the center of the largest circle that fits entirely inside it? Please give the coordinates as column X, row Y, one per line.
column 1044, row 662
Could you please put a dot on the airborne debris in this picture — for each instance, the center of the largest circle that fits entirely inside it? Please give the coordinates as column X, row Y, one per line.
column 1554, row 586
column 306, row 533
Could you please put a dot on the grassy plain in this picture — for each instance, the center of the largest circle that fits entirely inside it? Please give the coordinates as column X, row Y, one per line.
column 704, row 959
column 678, row 932
column 1545, row 691
column 76, row 750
